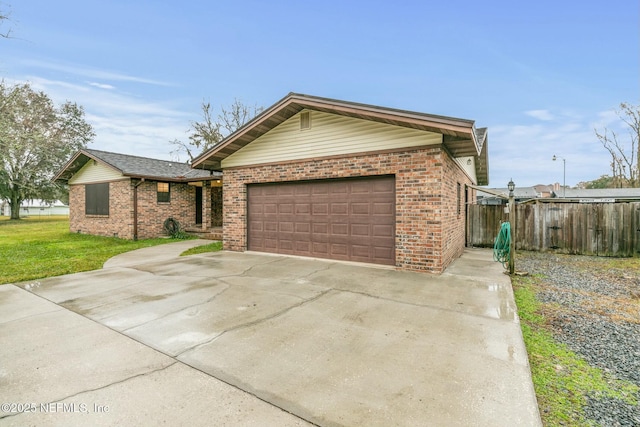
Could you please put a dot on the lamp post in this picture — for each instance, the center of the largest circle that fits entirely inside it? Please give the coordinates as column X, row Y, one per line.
column 512, row 225
column 564, row 174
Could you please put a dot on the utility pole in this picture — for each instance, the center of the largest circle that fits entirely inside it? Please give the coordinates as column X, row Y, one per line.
column 564, row 174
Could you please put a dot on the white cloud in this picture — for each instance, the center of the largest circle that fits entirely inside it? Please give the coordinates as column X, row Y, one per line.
column 102, row 85
column 92, row 73
column 525, row 152
column 540, row 114
column 123, row 123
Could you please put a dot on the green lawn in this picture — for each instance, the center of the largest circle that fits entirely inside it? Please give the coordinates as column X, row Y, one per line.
column 34, row 248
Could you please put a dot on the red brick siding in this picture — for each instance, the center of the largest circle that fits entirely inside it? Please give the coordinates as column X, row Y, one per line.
column 151, row 214
column 454, row 223
column 427, row 235
column 119, row 222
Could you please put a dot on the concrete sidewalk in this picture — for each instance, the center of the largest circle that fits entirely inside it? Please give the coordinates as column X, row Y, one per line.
column 250, row 339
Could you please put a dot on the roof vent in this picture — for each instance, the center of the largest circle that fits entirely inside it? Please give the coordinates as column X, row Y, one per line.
column 305, row 120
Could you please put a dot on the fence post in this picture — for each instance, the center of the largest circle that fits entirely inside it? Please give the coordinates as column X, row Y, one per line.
column 512, row 228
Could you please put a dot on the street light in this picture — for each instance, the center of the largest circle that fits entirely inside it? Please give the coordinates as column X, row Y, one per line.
column 564, row 174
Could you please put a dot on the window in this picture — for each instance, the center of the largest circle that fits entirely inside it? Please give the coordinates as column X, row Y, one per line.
column 96, row 199
column 163, row 192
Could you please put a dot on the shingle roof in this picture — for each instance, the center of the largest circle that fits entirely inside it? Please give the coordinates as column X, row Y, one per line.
column 518, row 192
column 599, row 193
column 135, row 166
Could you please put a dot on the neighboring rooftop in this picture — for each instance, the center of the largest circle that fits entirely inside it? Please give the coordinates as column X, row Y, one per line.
column 519, row 193
column 599, row 193
column 542, row 193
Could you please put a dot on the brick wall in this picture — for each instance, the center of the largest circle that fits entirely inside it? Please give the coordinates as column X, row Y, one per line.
column 454, row 211
column 429, row 233
column 151, row 214
column 119, row 222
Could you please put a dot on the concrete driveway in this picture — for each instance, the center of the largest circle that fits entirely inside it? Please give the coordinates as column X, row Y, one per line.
column 250, row 339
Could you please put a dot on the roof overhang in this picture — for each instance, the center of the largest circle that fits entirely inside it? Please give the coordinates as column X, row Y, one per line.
column 460, row 137
column 75, row 164
column 83, row 156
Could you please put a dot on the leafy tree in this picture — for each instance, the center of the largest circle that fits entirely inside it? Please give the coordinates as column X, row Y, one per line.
column 605, row 181
column 36, row 138
column 624, row 153
column 205, row 134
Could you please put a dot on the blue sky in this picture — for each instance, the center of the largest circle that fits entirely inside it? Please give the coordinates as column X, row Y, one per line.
column 540, row 75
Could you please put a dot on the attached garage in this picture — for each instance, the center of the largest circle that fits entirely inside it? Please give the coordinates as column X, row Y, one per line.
column 352, row 219
column 340, row 180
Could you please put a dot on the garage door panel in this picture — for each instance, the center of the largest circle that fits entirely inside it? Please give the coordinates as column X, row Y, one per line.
column 270, row 226
column 270, row 209
column 338, row 188
column 351, row 219
column 320, row 249
column 360, row 251
column 320, row 209
column 285, row 227
column 384, row 186
column 303, row 208
column 339, row 250
column 360, row 208
column 303, row 247
column 383, row 208
column 382, row 253
column 339, row 208
column 302, row 227
column 382, row 231
column 285, row 208
column 320, row 228
column 340, row 229
column 363, row 230
column 302, row 190
column 359, row 187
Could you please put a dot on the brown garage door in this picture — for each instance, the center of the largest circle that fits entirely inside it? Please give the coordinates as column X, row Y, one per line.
column 351, row 219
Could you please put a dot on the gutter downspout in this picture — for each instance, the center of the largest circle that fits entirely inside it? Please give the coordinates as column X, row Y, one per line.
column 135, row 208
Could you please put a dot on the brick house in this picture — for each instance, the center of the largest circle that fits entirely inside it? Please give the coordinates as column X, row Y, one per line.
column 130, row 197
column 333, row 179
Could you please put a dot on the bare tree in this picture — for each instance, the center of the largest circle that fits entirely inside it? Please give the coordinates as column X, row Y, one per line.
column 209, row 131
column 624, row 153
column 4, row 16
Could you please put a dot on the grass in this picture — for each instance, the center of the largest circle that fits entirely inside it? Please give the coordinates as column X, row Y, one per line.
column 562, row 379
column 34, row 248
column 210, row 247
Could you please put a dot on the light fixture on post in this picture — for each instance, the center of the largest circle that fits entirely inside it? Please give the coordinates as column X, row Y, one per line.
column 512, row 225
column 564, row 174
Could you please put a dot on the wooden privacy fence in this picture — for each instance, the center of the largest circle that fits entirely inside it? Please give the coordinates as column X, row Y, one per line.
column 605, row 229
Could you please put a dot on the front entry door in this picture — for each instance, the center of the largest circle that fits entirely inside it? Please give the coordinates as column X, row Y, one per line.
column 198, row 205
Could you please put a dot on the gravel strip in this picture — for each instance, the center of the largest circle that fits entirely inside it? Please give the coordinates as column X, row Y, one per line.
column 597, row 318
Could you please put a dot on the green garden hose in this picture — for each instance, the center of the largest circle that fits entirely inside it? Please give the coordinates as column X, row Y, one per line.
column 501, row 246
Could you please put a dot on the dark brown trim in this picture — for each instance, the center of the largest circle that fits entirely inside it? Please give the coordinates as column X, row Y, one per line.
column 176, row 180
column 101, row 182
